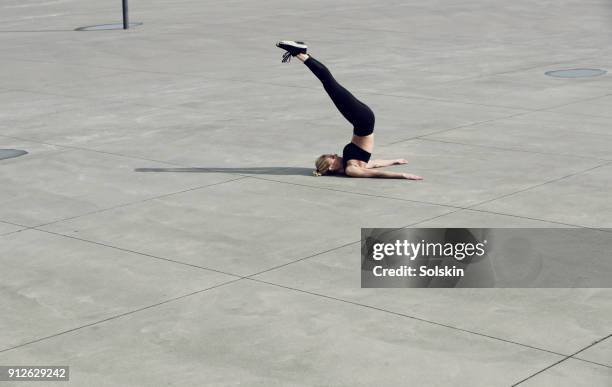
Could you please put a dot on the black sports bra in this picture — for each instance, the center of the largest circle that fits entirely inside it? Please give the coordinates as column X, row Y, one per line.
column 353, row 152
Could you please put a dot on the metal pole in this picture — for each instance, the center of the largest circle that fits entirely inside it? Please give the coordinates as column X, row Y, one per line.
column 126, row 19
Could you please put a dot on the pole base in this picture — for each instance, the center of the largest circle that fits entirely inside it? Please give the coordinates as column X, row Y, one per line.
column 102, row 27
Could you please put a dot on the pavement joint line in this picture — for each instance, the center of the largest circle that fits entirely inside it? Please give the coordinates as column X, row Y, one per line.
column 12, row 223
column 22, row 228
column 340, row 247
column 138, row 202
column 294, row 289
column 518, row 70
column 358, row 193
column 88, row 65
column 30, row 156
column 314, row 187
column 564, row 359
column 119, row 316
column 302, row 259
column 209, row 269
column 106, row 99
column 73, row 148
column 32, row 31
column 97, row 99
column 250, row 278
column 546, row 109
column 192, row 75
column 193, row 265
column 578, row 115
column 431, row 322
column 514, row 216
column 416, row 66
column 59, row 83
column 149, row 306
column 14, row 232
column 197, row 75
column 179, row 108
column 138, row 253
column 242, row 176
column 120, row 205
column 452, row 101
column 420, row 137
column 542, row 184
column 546, row 38
column 417, row 97
column 537, row 219
column 459, row 208
column 425, row 138
column 591, row 345
column 289, row 288
column 457, row 127
column 586, row 99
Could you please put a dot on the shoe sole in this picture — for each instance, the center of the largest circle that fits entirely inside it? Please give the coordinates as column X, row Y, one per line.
column 291, row 43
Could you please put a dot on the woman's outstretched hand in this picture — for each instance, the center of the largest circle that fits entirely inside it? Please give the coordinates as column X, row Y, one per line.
column 400, row 161
column 409, row 176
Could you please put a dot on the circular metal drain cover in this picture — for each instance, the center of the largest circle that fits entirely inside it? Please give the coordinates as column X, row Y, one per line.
column 10, row 153
column 101, row 27
column 575, row 73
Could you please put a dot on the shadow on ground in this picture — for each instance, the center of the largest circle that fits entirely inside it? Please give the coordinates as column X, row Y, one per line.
column 253, row 170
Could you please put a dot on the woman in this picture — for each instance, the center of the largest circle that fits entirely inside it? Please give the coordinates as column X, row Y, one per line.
column 355, row 160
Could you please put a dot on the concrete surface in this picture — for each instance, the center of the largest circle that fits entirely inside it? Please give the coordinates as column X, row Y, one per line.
column 164, row 228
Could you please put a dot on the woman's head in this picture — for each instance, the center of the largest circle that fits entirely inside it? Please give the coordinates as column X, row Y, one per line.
column 328, row 163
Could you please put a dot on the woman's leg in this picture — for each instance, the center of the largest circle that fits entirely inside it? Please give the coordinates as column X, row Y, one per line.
column 355, row 111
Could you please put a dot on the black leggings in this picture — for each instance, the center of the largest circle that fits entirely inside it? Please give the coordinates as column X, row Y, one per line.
column 355, row 111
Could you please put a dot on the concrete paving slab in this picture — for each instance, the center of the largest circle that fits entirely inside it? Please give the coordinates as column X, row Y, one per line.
column 58, row 186
column 572, row 373
column 518, row 315
column 62, row 283
column 600, row 353
column 264, row 335
column 540, row 132
column 216, row 227
column 587, row 194
column 475, row 173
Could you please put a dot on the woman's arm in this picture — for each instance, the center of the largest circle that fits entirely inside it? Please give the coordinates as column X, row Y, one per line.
column 385, row 163
column 355, row 171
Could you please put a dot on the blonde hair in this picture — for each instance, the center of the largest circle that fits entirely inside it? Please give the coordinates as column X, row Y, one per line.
column 322, row 165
